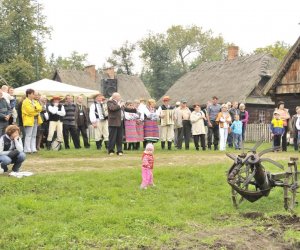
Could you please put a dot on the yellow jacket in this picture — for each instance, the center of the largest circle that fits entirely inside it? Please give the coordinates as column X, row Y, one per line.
column 29, row 111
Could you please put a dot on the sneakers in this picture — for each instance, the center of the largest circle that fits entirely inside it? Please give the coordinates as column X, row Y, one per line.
column 111, row 153
column 1, row 171
column 120, row 154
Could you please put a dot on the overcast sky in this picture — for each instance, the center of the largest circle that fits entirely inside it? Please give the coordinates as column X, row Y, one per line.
column 96, row 27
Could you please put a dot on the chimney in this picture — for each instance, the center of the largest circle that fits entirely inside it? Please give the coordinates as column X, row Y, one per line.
column 110, row 72
column 233, row 52
column 91, row 69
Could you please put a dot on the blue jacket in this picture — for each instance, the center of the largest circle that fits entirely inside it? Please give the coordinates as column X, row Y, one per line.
column 237, row 127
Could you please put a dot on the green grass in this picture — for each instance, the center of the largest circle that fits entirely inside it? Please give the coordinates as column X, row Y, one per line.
column 98, row 209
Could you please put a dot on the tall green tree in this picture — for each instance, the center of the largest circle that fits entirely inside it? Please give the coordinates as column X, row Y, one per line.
column 22, row 34
column 279, row 49
column 122, row 58
column 191, row 45
column 167, row 56
column 160, row 70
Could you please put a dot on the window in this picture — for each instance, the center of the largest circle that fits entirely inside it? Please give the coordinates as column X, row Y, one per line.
column 262, row 116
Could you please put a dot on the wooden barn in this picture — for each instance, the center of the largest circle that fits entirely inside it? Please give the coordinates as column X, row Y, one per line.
column 285, row 83
column 237, row 78
column 130, row 87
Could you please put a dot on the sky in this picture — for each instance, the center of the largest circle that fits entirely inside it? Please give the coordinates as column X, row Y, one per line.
column 97, row 27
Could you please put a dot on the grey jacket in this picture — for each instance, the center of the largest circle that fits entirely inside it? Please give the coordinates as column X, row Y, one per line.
column 5, row 109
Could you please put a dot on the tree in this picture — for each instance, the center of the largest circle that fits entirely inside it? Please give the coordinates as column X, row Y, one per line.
column 17, row 71
column 122, row 59
column 279, row 49
column 23, row 33
column 193, row 44
column 160, row 71
column 75, row 61
column 167, row 56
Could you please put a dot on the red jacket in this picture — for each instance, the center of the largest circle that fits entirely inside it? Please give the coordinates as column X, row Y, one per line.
column 148, row 161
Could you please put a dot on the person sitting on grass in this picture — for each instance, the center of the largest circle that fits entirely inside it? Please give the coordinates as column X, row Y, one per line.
column 237, row 131
column 277, row 129
column 11, row 149
column 147, row 166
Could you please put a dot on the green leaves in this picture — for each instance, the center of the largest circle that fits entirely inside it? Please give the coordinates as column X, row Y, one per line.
column 122, row 58
column 167, row 56
column 23, row 31
column 279, row 49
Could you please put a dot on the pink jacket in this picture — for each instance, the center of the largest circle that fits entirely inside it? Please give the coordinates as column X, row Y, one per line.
column 147, row 161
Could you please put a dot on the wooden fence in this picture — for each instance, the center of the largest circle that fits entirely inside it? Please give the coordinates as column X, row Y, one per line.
column 255, row 132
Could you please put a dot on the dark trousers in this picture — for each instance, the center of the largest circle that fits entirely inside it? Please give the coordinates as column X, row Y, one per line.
column 243, row 131
column 284, row 139
column 213, row 132
column 200, row 138
column 276, row 140
column 73, row 131
column 296, row 142
column 115, row 139
column 42, row 134
column 184, row 132
column 83, row 131
column 230, row 140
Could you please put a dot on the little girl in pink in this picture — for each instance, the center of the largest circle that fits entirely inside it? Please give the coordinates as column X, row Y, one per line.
column 147, row 166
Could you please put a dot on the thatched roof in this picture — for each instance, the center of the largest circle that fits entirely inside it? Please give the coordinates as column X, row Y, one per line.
column 130, row 87
column 230, row 80
column 291, row 56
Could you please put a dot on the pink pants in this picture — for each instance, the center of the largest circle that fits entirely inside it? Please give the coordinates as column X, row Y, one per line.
column 147, row 177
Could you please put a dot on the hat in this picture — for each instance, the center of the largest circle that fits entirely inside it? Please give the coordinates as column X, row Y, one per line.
column 149, row 147
column 183, row 101
column 177, row 103
column 276, row 112
column 56, row 98
column 166, row 98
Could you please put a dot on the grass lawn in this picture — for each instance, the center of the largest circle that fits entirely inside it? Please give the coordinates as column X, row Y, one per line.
column 84, row 199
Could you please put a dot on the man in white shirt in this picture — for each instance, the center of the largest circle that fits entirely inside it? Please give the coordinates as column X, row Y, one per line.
column 98, row 116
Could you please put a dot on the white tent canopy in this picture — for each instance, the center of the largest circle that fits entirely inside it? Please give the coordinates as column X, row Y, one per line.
column 50, row 88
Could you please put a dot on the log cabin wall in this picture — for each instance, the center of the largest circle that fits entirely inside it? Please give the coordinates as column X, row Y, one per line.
column 260, row 113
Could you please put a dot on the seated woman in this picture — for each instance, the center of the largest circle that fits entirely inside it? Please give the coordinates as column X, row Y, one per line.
column 11, row 149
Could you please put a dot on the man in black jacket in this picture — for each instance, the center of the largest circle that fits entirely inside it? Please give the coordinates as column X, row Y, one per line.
column 82, row 121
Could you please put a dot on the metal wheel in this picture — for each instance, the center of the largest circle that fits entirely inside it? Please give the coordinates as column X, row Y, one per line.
column 290, row 186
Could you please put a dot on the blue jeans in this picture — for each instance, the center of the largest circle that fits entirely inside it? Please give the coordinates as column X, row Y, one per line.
column 237, row 138
column 5, row 160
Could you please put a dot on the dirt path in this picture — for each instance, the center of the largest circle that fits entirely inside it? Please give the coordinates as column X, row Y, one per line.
column 39, row 164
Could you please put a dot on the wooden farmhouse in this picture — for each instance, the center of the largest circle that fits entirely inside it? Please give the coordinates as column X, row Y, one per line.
column 238, row 78
column 285, row 83
column 130, row 87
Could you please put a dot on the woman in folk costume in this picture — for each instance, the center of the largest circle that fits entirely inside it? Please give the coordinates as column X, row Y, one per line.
column 224, row 120
column 198, row 128
column 151, row 130
column 130, row 121
column 139, row 105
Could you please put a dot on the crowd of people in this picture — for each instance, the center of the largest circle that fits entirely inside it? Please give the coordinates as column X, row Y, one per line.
column 129, row 125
